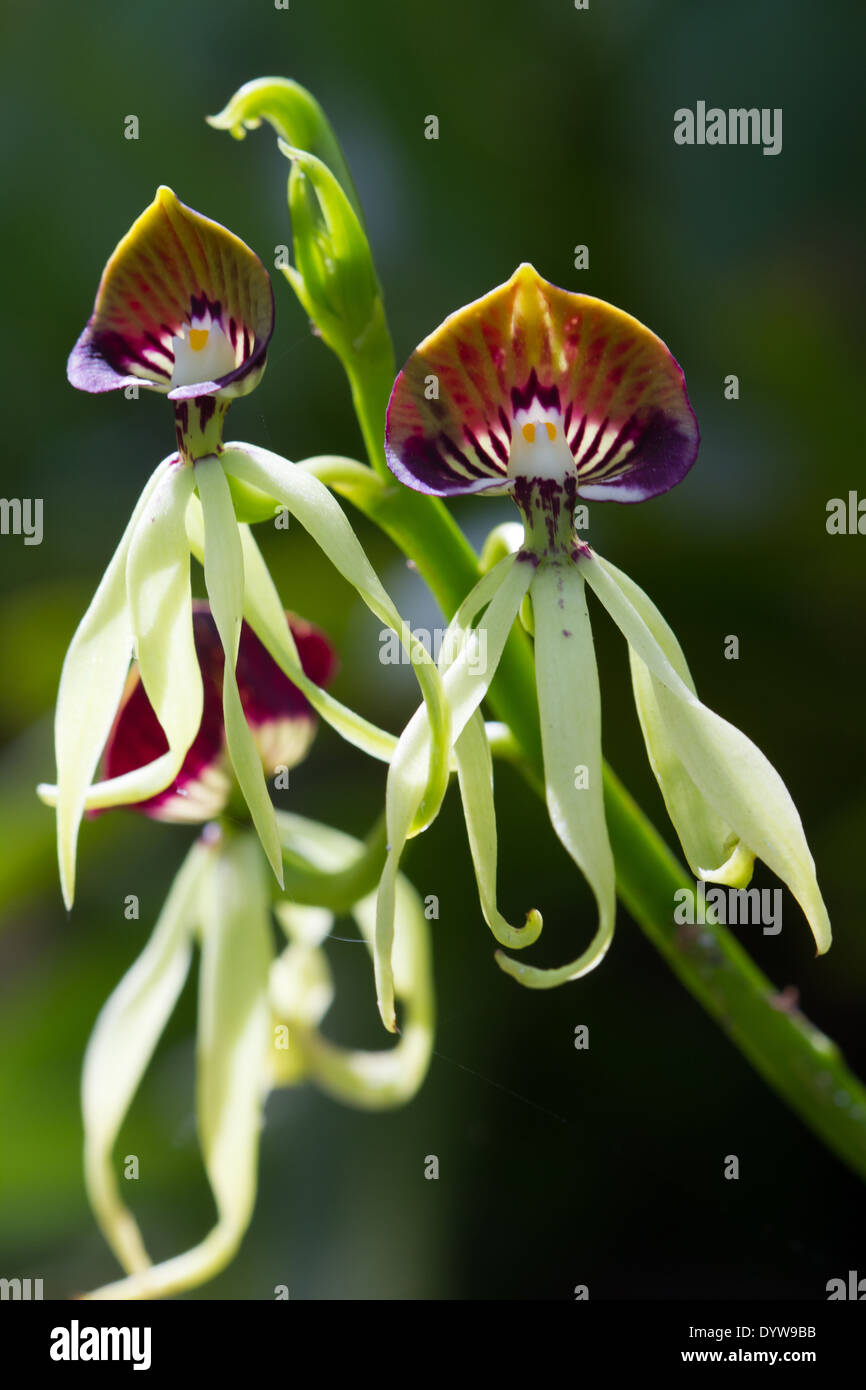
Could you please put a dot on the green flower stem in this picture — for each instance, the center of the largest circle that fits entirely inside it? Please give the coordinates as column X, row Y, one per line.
column 371, row 384
column 803, row 1066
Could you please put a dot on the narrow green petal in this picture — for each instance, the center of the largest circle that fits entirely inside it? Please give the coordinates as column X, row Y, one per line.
column 474, row 655
column 375, row 1080
column 91, row 685
column 570, row 709
column 734, row 776
column 160, row 603
column 234, row 1027
column 322, row 516
column 159, row 600
column 710, row 845
column 475, row 774
column 121, row 1045
column 301, row 992
column 371, row 1080
column 224, row 579
column 265, row 614
column 233, row 1052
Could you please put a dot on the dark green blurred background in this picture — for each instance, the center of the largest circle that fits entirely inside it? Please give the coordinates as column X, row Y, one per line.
column 558, row 1167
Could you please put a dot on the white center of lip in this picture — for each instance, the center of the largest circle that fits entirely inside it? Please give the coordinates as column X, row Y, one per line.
column 202, row 352
column 538, row 446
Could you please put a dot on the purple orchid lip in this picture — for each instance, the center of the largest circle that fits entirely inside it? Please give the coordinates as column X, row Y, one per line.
column 531, row 357
column 184, row 307
column 281, row 719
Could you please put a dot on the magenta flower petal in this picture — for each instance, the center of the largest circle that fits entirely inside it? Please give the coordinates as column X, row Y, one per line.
column 531, row 354
column 282, row 720
column 183, row 307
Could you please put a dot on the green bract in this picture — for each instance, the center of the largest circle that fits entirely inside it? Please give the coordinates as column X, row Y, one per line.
column 333, row 276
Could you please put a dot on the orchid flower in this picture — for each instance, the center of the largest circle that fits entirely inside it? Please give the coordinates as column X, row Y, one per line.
column 185, row 308
column 550, row 396
column 259, row 1013
column 281, row 720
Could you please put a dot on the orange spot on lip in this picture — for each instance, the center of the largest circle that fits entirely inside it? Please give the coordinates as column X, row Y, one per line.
column 197, row 338
column 551, row 429
column 529, row 433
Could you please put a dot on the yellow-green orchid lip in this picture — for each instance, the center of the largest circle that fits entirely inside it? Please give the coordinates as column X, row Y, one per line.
column 184, row 307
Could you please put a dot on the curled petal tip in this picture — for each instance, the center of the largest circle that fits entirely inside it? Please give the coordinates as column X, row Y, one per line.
column 530, row 931
column 737, row 870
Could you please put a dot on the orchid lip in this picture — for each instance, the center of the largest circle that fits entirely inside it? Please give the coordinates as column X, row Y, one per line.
column 539, row 449
column 201, row 352
column 184, row 307
column 529, row 353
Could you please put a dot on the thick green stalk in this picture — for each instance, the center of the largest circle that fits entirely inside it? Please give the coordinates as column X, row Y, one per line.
column 795, row 1058
column 371, row 384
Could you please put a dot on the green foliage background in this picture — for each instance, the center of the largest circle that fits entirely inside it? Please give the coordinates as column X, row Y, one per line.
column 557, row 1167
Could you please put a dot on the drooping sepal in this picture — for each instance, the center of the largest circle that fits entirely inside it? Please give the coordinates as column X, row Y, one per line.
column 570, row 710
column 121, row 1045
column 91, row 684
column 712, row 848
column 224, row 580
column 475, row 775
column 739, row 784
column 222, row 895
column 302, row 985
column 466, row 678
